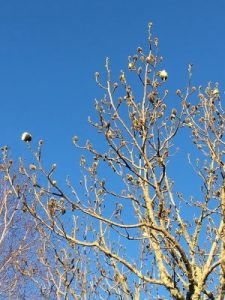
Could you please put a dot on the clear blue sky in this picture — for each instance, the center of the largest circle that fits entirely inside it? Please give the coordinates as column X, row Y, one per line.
column 49, row 51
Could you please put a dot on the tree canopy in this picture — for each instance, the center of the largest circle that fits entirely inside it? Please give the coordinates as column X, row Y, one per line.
column 126, row 230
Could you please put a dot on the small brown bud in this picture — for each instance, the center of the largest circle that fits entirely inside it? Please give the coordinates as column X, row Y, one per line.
column 75, row 139
column 178, row 92
column 139, row 70
column 172, row 117
column 150, row 59
column 109, row 134
column 135, row 57
column 163, row 106
column 174, row 111
column 131, row 66
column 156, row 41
column 122, row 77
column 115, row 85
column 148, row 81
column 151, row 97
column 33, row 167
column 160, row 114
column 42, row 192
column 129, row 177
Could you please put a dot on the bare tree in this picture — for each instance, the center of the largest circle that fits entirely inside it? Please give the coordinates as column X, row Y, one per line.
column 127, row 231
column 17, row 236
column 23, row 262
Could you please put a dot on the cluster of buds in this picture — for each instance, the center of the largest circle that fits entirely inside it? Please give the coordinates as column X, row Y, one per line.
column 150, row 59
column 131, row 64
column 173, row 114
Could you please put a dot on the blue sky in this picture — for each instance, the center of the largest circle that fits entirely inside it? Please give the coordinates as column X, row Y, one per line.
column 49, row 51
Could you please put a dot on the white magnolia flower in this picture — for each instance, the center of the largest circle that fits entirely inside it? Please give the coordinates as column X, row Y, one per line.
column 163, row 75
column 26, row 137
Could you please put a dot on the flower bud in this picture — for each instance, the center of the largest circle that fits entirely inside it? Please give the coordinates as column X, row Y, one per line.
column 215, row 92
column 75, row 139
column 131, row 66
column 33, row 167
column 26, row 137
column 163, row 75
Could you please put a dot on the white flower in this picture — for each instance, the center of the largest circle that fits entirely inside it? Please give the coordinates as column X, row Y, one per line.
column 26, row 137
column 163, row 75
